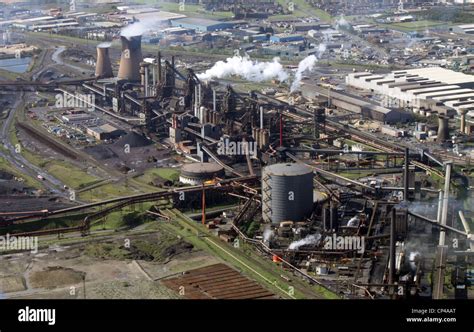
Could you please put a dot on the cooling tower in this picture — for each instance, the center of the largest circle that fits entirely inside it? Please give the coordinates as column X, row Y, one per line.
column 131, row 57
column 103, row 68
column 443, row 128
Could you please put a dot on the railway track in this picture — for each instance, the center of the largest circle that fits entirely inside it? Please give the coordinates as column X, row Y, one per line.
column 119, row 203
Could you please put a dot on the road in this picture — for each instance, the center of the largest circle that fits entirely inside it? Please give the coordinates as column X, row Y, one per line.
column 16, row 158
column 56, row 57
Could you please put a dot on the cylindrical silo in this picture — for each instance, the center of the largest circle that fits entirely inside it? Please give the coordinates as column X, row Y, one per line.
column 287, row 192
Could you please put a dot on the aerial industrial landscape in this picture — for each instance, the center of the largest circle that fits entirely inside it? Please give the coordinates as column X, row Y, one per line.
column 235, row 149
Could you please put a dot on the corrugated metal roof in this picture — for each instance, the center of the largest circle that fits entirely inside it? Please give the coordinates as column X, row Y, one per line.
column 433, row 89
column 444, row 93
column 456, row 97
column 442, row 75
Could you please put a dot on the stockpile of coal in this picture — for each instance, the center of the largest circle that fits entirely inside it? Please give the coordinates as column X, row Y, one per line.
column 15, row 203
column 100, row 152
column 133, row 140
column 5, row 175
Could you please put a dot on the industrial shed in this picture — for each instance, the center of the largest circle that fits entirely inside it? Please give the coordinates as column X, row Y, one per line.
column 104, row 132
column 423, row 87
column 355, row 104
column 286, row 38
column 201, row 25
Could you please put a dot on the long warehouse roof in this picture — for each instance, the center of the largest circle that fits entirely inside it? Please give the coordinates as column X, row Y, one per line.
column 444, row 93
column 433, row 89
column 442, row 75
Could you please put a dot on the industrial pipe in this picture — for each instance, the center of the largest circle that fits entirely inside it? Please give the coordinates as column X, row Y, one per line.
column 444, row 215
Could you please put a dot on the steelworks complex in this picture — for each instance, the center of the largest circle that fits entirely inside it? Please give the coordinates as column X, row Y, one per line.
column 343, row 179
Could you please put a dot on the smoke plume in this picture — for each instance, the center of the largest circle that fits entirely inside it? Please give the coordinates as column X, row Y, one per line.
column 244, row 67
column 341, row 22
column 267, row 234
column 310, row 239
column 306, row 64
column 139, row 28
column 353, row 222
column 105, row 44
column 412, row 257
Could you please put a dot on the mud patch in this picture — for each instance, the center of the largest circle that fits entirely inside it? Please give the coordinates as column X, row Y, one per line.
column 153, row 249
column 11, row 284
column 55, row 276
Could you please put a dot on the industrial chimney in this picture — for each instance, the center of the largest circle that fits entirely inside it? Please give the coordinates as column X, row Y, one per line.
column 443, row 128
column 131, row 57
column 463, row 113
column 103, row 68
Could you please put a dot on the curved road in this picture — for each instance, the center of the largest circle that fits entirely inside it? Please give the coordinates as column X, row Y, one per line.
column 16, row 159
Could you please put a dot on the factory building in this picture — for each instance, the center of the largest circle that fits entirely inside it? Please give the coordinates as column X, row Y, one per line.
column 304, row 27
column 465, row 28
column 77, row 117
column 281, row 51
column 356, row 104
column 198, row 173
column 427, row 88
column 104, row 132
column 287, row 193
column 286, row 38
column 201, row 25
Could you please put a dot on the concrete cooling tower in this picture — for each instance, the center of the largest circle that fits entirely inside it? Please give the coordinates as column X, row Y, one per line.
column 103, row 68
column 131, row 57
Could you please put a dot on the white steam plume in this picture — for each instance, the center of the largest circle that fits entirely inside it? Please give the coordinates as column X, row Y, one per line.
column 341, row 22
column 305, row 64
column 310, row 239
column 353, row 222
column 140, row 27
column 244, row 67
column 105, row 44
column 412, row 257
column 268, row 234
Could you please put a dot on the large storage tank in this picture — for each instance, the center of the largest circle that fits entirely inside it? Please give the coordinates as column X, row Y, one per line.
column 287, row 192
column 198, row 173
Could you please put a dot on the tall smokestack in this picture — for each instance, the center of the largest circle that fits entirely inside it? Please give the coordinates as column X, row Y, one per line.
column 463, row 121
column 103, row 68
column 131, row 57
column 443, row 128
column 144, row 77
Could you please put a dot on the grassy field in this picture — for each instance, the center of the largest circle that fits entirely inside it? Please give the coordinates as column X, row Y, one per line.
column 415, row 26
column 116, row 220
column 72, row 176
column 107, row 191
column 266, row 272
column 170, row 174
column 303, row 9
column 188, row 9
column 29, row 181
